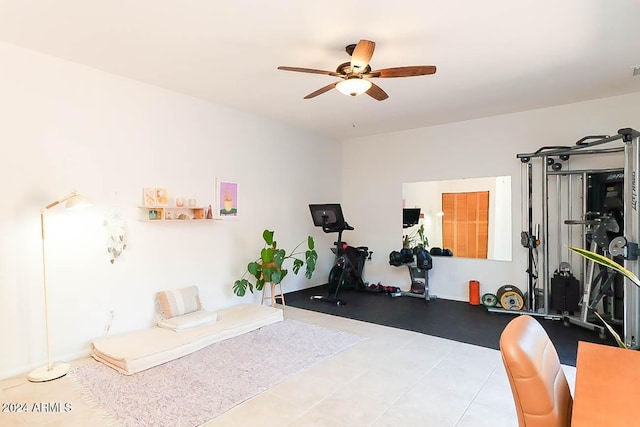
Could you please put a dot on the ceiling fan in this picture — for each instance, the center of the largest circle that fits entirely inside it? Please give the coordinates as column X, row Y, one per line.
column 355, row 75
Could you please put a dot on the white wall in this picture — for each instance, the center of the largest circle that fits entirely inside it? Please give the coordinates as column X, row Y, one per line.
column 375, row 167
column 67, row 127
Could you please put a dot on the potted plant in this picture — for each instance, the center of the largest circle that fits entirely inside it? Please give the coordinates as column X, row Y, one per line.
column 417, row 240
column 270, row 266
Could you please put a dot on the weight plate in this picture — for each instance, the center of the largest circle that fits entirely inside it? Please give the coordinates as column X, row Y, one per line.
column 508, row 288
column 489, row 300
column 511, row 300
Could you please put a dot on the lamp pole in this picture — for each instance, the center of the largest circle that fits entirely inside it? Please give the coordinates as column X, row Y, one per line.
column 51, row 371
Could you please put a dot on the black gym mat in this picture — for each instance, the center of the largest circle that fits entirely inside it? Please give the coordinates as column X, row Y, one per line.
column 455, row 320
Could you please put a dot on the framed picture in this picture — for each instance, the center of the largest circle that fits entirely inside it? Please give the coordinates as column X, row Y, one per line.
column 227, row 199
column 149, row 196
column 162, row 199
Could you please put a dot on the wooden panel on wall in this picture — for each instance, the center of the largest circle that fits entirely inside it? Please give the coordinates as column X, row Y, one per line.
column 465, row 224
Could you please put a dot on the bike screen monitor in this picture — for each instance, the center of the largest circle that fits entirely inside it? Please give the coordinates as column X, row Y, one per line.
column 410, row 217
column 328, row 216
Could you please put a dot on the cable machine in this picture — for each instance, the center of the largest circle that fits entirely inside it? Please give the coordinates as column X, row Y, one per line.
column 594, row 208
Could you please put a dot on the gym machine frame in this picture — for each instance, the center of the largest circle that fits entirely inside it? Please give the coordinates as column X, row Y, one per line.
column 530, row 297
column 631, row 305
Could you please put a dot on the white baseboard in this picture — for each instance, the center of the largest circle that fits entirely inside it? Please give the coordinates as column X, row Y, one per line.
column 25, row 369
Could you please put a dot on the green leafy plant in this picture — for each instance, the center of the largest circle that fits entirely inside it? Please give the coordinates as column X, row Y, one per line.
column 609, row 263
column 417, row 239
column 269, row 268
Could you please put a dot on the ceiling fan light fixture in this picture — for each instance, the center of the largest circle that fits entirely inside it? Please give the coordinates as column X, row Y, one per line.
column 354, row 86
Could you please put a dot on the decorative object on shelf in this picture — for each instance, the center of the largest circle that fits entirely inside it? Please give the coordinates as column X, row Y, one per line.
column 162, row 198
column 149, row 195
column 116, row 228
column 227, row 199
column 51, row 371
column 180, row 208
column 268, row 268
column 173, row 214
column 155, row 196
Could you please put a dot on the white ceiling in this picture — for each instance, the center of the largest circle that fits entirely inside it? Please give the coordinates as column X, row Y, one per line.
column 493, row 57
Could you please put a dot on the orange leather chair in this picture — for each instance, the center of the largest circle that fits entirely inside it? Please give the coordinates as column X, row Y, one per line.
column 540, row 388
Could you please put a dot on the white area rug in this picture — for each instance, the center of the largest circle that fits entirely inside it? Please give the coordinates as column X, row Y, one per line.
column 198, row 387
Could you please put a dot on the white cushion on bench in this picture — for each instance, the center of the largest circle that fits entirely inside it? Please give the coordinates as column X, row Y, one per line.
column 177, row 302
column 189, row 320
column 136, row 351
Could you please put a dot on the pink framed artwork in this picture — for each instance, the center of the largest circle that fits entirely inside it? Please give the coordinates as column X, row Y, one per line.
column 227, row 199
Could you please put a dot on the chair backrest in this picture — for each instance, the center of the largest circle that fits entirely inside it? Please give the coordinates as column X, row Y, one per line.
column 540, row 389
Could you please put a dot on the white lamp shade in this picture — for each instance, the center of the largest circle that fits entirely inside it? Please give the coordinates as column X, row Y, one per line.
column 353, row 86
column 77, row 202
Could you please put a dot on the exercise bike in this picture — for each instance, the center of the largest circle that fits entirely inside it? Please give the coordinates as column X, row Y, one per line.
column 348, row 266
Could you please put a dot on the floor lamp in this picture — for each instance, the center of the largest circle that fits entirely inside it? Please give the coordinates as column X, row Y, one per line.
column 52, row 372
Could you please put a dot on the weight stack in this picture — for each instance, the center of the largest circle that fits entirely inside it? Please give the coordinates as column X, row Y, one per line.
column 565, row 293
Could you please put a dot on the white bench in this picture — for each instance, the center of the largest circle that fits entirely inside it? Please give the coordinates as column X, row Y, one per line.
column 136, row 351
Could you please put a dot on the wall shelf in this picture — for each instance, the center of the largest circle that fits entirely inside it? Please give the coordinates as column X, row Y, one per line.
column 173, row 214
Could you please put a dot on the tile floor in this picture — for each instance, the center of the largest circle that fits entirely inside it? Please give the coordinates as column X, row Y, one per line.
column 394, row 378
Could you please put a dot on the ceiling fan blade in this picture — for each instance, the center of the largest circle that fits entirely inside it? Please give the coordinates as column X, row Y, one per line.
column 321, row 90
column 416, row 70
column 310, row 70
column 376, row 92
column 362, row 55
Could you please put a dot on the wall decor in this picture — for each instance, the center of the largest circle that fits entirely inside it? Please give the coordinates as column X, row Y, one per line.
column 162, row 199
column 149, row 196
column 116, row 228
column 227, row 199
column 154, row 196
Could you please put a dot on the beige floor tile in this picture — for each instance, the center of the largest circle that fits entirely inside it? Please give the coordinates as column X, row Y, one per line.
column 424, row 406
column 478, row 415
column 391, row 378
column 496, row 394
column 264, row 410
column 344, row 409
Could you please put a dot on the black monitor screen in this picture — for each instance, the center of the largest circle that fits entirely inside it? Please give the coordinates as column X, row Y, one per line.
column 326, row 214
column 410, row 217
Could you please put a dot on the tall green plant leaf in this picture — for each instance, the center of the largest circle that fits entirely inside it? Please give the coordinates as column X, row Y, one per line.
column 254, row 269
column 607, row 262
column 276, row 276
column 278, row 256
column 267, row 235
column 266, row 255
column 240, row 287
column 267, row 273
column 611, row 331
